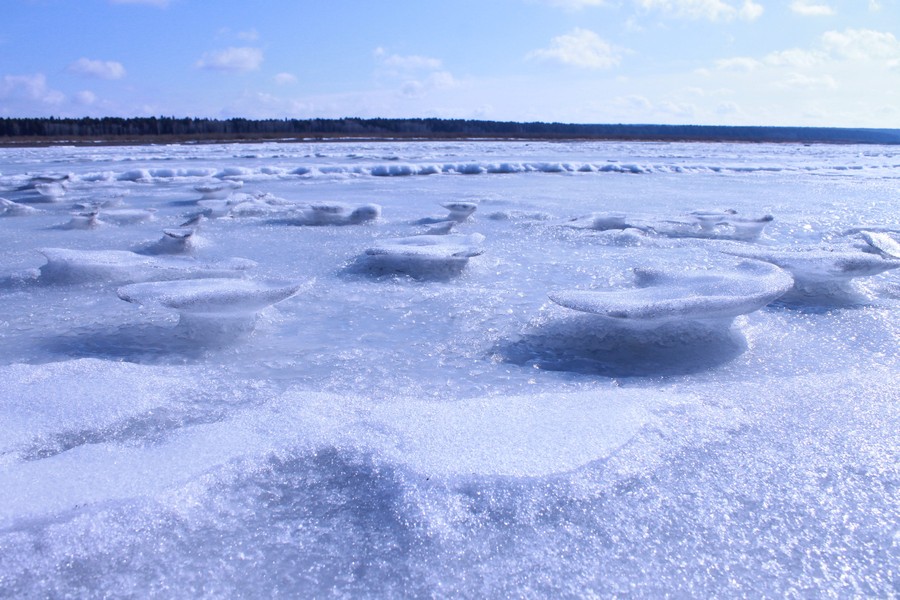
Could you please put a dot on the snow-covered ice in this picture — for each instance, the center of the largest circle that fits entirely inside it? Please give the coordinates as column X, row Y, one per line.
column 400, row 401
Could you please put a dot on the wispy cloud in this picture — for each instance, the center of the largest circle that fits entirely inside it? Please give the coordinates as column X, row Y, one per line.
column 809, row 8
column 712, row 10
column 580, row 48
column 31, row 88
column 406, row 63
column 101, row 69
column 232, row 60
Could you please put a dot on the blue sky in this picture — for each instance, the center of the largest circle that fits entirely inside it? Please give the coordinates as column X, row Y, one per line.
column 731, row 62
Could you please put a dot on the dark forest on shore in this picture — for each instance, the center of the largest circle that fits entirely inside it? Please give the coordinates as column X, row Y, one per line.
column 172, row 129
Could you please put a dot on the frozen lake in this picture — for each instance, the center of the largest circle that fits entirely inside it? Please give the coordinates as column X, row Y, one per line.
column 289, row 398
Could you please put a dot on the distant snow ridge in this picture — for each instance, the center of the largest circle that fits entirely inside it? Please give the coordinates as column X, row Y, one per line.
column 711, row 224
column 659, row 297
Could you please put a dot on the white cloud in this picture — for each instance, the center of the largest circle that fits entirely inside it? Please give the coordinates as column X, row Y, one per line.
column 251, row 35
column 285, row 79
column 102, row 69
column 580, row 48
column 874, row 5
column 31, row 88
column 862, row 44
column 234, row 60
column 808, row 8
column 158, row 3
column 712, row 10
column 85, row 98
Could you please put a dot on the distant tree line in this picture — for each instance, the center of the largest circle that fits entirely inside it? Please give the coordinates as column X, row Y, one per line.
column 201, row 129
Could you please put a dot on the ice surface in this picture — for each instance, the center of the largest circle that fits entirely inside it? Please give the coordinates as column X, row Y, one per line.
column 381, row 435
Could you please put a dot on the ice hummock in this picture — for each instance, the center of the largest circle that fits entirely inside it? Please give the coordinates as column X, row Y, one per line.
column 713, row 224
column 422, row 256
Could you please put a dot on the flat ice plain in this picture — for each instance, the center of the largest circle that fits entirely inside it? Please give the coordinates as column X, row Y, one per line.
column 363, row 413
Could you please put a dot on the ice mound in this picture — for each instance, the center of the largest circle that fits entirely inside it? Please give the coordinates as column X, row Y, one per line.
column 332, row 213
column 53, row 191
column 660, row 296
column 8, row 208
column 459, row 212
column 717, row 224
column 820, row 273
column 501, row 436
column 121, row 266
column 210, row 306
column 422, row 256
column 176, row 240
column 218, row 190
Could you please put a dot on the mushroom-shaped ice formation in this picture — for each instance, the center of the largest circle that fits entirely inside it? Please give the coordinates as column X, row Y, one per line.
column 820, row 272
column 128, row 216
column 121, row 266
column 423, row 256
column 878, row 242
column 717, row 224
column 210, row 306
column 218, row 190
column 52, row 191
column 177, row 240
column 334, row 214
column 8, row 208
column 84, row 220
column 659, row 297
column 459, row 212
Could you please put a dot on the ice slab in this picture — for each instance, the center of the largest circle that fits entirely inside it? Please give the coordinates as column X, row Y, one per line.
column 458, row 212
column 699, row 294
column 176, row 241
column 121, row 266
column 423, row 255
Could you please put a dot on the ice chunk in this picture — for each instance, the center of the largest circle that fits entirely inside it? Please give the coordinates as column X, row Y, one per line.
column 128, row 216
column 698, row 294
column 718, row 224
column 424, row 256
column 8, row 208
column 121, row 266
column 219, row 190
column 85, row 220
